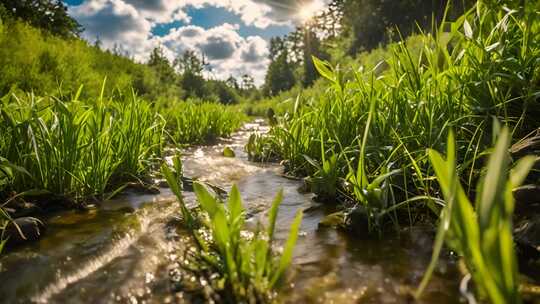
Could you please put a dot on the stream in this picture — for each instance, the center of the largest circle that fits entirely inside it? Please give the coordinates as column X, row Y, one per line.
column 124, row 250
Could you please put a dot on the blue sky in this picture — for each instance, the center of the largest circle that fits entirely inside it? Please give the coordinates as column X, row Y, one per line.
column 233, row 34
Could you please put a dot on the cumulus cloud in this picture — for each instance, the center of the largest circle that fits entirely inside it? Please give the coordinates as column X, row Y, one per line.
column 128, row 24
column 115, row 23
column 255, row 49
column 228, row 53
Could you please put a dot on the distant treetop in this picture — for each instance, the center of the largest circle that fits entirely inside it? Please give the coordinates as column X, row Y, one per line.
column 50, row 15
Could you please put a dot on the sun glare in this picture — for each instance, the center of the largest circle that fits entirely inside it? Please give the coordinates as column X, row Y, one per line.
column 309, row 9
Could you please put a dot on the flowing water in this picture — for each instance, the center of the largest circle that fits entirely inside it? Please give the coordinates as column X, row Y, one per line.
column 124, row 250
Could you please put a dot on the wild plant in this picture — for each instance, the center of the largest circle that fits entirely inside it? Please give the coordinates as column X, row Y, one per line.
column 325, row 181
column 244, row 260
column 481, row 233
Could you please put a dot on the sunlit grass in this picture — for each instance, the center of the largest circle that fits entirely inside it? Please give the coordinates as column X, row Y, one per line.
column 481, row 233
column 191, row 123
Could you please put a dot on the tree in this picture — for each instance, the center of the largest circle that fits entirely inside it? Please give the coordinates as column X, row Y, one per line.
column 280, row 75
column 232, row 82
column 312, row 47
column 248, row 83
column 50, row 15
column 369, row 21
column 224, row 93
column 191, row 67
column 162, row 66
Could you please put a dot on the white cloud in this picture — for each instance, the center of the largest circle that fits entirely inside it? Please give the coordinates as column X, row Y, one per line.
column 115, row 23
column 227, row 52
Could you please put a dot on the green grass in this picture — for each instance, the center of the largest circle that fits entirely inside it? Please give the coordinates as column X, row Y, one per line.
column 77, row 149
column 201, row 122
column 481, row 233
column 245, row 261
column 372, row 126
column 83, row 149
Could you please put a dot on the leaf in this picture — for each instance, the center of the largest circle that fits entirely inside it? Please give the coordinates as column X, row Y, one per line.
column 468, row 30
column 521, row 170
column 313, row 162
column 220, row 229
column 171, row 180
column 272, row 215
column 235, row 205
column 206, row 200
column 287, row 254
column 324, row 68
column 494, row 181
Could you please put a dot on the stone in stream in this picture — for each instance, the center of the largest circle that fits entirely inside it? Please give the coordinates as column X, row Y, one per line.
column 24, row 229
column 333, row 220
column 228, row 152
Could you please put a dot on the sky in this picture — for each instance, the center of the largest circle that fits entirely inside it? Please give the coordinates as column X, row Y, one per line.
column 232, row 34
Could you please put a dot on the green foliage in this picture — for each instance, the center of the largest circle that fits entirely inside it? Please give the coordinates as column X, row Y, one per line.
column 244, row 261
column 280, row 76
column 373, row 22
column 34, row 61
column 483, row 237
column 76, row 148
column 49, row 15
column 200, row 122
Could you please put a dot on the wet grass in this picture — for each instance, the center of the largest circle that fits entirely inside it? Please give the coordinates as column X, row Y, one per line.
column 243, row 265
column 76, row 149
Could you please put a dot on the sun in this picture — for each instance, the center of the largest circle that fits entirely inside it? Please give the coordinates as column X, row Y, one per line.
column 309, row 9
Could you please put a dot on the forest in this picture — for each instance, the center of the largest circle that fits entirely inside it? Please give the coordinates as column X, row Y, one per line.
column 390, row 154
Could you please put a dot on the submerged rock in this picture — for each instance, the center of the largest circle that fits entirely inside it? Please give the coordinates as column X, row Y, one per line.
column 24, row 229
column 333, row 220
column 228, row 152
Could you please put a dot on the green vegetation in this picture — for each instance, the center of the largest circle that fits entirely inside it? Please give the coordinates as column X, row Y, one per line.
column 243, row 260
column 483, row 237
column 85, row 148
column 359, row 120
column 201, row 122
column 40, row 53
column 367, row 132
column 78, row 148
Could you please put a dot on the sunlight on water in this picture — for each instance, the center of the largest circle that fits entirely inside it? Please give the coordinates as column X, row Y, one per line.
column 119, row 247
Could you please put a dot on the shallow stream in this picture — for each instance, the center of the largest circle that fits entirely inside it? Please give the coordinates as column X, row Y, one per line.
column 121, row 251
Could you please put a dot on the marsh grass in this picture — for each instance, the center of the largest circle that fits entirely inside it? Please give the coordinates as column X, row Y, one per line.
column 248, row 269
column 481, row 233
